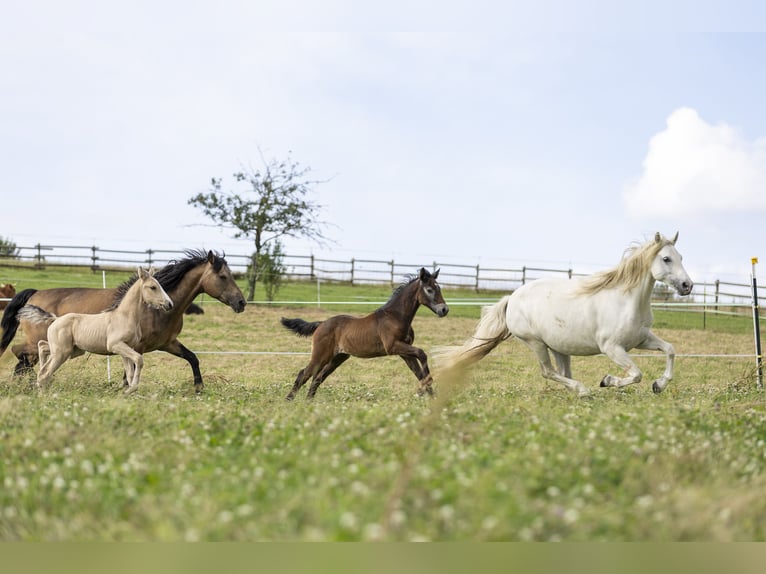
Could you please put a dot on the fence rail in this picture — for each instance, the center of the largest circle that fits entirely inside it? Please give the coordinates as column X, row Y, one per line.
column 716, row 295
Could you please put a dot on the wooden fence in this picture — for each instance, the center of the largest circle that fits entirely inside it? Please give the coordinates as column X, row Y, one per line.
column 359, row 271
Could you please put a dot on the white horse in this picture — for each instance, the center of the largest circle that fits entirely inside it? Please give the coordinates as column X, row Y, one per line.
column 607, row 312
column 116, row 331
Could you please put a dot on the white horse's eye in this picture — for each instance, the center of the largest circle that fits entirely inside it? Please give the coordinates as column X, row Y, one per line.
column 666, row 259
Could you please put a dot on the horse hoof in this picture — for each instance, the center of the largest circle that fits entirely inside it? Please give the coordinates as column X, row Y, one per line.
column 199, row 388
column 656, row 388
column 605, row 381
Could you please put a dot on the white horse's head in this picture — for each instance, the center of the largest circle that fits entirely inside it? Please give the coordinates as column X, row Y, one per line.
column 668, row 268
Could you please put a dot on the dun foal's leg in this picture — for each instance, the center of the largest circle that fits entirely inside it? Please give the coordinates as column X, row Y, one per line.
column 129, row 354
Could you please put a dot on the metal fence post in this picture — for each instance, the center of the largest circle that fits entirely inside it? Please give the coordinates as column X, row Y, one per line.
column 93, row 258
column 757, row 328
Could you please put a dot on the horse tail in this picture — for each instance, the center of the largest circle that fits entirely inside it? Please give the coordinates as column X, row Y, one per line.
column 36, row 315
column 491, row 330
column 10, row 321
column 301, row 327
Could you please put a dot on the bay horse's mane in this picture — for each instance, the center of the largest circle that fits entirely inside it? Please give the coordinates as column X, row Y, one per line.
column 172, row 273
column 629, row 272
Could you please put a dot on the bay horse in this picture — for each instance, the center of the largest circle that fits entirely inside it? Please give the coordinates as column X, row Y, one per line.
column 608, row 312
column 116, row 331
column 7, row 291
column 198, row 272
column 385, row 331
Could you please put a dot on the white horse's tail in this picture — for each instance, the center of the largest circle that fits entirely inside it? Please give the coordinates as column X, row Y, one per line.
column 36, row 315
column 490, row 332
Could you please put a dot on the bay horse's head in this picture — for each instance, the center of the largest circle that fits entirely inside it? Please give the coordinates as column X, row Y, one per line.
column 217, row 281
column 430, row 294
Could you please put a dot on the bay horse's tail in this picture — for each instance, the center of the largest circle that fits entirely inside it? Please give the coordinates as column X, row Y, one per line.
column 10, row 321
column 490, row 332
column 301, row 327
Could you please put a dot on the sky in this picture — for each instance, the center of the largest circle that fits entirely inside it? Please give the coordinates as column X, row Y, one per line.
column 494, row 132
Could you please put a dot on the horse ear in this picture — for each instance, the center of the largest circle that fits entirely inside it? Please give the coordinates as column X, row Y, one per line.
column 423, row 274
column 210, row 257
column 141, row 273
column 436, row 275
column 675, row 238
column 657, row 237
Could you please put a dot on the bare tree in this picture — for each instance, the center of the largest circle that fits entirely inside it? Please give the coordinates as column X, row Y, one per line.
column 268, row 204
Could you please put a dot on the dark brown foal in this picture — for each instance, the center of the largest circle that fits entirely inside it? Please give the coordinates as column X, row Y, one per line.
column 385, row 331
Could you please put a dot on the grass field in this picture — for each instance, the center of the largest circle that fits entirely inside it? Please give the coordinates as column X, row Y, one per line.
column 501, row 454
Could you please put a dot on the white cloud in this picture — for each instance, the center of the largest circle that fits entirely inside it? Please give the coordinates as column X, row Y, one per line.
column 693, row 167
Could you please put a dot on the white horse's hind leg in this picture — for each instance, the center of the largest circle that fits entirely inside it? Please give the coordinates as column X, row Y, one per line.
column 541, row 350
column 621, row 357
column 654, row 343
column 563, row 364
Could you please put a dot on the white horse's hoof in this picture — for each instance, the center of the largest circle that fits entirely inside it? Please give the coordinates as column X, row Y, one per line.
column 657, row 388
column 608, row 381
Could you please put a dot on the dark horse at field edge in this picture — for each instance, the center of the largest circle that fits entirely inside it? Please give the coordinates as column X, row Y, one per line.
column 184, row 279
column 385, row 331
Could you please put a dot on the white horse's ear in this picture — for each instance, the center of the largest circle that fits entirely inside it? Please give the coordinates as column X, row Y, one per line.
column 675, row 238
column 657, row 237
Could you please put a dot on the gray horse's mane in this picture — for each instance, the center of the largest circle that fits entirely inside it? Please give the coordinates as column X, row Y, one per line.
column 630, row 271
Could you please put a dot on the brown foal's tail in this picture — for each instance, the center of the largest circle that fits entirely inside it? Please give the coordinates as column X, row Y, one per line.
column 301, row 327
column 490, row 332
column 10, row 321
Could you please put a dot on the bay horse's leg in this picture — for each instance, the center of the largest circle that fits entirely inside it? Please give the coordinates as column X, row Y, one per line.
column 175, row 347
column 328, row 369
column 541, row 350
column 26, row 360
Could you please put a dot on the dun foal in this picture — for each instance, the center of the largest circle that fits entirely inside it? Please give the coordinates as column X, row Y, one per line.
column 116, row 331
column 385, row 331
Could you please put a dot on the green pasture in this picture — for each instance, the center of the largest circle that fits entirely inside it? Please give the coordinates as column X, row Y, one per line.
column 500, row 454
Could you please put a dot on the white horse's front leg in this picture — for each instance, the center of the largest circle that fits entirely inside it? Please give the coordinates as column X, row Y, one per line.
column 620, row 356
column 654, row 343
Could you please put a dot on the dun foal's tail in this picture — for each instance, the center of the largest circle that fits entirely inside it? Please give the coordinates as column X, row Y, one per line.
column 490, row 332
column 36, row 315
column 10, row 321
column 301, row 327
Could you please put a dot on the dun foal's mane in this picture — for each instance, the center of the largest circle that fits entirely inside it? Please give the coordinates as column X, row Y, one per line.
column 171, row 275
column 632, row 268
